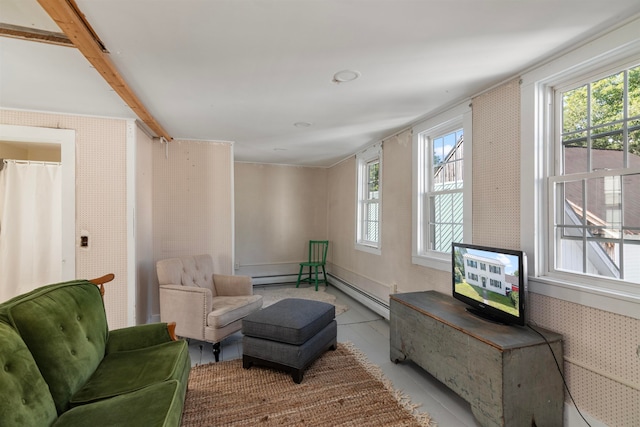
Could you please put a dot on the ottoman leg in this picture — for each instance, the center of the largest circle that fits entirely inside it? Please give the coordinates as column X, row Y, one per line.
column 297, row 375
column 246, row 362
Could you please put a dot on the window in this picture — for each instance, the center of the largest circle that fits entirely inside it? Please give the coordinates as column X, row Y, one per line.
column 442, row 188
column 594, row 190
column 547, row 180
column 369, row 197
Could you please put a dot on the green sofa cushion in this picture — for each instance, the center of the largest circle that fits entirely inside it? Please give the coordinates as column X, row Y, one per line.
column 159, row 405
column 139, row 336
column 26, row 400
column 126, row 371
column 65, row 327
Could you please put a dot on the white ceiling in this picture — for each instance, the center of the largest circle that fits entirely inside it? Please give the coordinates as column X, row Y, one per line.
column 247, row 70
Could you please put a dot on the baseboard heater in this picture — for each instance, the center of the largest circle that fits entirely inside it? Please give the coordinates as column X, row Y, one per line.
column 275, row 279
column 354, row 292
column 359, row 295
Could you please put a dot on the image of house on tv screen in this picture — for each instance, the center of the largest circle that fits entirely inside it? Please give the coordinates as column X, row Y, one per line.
column 488, row 277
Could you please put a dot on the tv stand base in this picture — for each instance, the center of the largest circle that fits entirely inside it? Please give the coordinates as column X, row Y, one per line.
column 506, row 373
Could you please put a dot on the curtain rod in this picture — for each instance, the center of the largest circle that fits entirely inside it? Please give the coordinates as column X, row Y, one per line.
column 38, row 162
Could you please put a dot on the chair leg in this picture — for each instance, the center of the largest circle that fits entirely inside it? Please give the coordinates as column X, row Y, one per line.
column 216, row 351
column 299, row 275
column 324, row 273
column 316, row 278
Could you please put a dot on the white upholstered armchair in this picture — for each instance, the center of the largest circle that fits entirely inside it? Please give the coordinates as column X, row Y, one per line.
column 205, row 306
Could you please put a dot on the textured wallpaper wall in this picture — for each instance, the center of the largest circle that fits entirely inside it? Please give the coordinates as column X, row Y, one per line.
column 602, row 359
column 278, row 209
column 193, row 201
column 100, row 198
column 496, row 167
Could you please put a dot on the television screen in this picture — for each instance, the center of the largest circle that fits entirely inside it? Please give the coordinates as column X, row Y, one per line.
column 492, row 281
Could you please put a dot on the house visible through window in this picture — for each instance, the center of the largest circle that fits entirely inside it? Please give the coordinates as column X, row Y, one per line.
column 441, row 187
column 369, row 197
column 444, row 191
column 594, row 195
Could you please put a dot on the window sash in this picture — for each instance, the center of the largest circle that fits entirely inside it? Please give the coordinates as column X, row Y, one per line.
column 369, row 198
column 370, row 223
column 591, row 230
column 443, row 194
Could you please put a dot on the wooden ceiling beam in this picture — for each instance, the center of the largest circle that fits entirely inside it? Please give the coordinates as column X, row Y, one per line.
column 33, row 34
column 72, row 22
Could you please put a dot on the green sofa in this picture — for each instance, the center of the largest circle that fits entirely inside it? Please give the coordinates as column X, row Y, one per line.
column 60, row 365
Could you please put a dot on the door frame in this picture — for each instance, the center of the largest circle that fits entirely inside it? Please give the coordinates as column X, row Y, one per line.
column 66, row 139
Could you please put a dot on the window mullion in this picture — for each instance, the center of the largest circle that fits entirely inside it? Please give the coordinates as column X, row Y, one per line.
column 589, row 152
column 585, row 240
column 625, row 125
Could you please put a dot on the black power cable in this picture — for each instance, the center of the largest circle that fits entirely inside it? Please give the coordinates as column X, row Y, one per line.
column 564, row 381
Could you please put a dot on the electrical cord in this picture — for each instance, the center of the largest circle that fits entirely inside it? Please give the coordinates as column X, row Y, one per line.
column 564, row 381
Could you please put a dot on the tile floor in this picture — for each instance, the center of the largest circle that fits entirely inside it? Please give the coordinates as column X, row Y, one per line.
column 370, row 333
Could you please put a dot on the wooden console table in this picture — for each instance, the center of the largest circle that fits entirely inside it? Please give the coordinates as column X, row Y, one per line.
column 506, row 373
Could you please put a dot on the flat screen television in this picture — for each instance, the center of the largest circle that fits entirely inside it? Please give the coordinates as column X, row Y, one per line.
column 492, row 281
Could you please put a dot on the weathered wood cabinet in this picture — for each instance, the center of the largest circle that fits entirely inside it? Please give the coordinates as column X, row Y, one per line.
column 506, row 373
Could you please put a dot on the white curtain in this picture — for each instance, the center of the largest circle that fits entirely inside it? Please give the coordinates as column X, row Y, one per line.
column 30, row 226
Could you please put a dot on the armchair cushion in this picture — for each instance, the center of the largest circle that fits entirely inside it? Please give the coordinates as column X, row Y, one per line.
column 232, row 285
column 229, row 309
column 196, row 271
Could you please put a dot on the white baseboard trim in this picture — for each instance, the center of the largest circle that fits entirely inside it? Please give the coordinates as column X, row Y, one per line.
column 359, row 295
column 573, row 419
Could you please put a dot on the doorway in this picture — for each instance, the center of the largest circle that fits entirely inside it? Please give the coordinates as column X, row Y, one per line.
column 55, row 144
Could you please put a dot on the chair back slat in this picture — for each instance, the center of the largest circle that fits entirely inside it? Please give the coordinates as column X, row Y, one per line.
column 318, row 250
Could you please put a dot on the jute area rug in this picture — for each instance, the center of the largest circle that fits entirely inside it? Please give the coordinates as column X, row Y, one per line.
column 340, row 389
column 271, row 295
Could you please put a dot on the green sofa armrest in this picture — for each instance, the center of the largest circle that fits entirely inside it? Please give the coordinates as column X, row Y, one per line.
column 141, row 336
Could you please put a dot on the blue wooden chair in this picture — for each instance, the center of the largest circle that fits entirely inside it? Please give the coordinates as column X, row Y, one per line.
column 317, row 259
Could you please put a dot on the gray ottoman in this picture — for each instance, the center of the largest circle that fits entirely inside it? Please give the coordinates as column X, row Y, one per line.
column 289, row 335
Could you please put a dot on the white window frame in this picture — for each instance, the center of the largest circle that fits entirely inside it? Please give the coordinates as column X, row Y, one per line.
column 453, row 119
column 609, row 52
column 371, row 154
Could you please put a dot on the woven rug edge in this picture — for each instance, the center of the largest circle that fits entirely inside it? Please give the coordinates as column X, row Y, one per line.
column 423, row 418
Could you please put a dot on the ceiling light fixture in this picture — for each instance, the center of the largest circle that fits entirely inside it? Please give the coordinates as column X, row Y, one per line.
column 345, row 76
column 302, row 124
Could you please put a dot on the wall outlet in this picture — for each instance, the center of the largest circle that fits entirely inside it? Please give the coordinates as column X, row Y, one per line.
column 394, row 288
column 237, row 265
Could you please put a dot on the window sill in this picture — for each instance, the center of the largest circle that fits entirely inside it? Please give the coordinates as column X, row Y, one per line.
column 602, row 299
column 443, row 264
column 368, row 249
